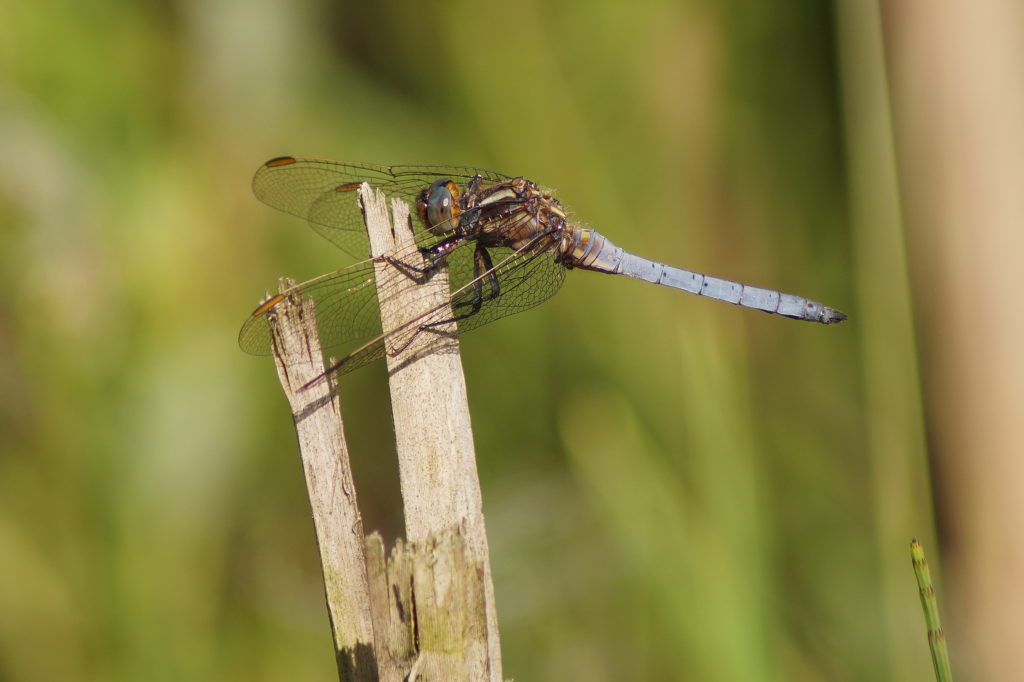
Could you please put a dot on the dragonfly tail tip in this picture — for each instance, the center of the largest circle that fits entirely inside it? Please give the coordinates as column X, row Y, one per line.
column 833, row 316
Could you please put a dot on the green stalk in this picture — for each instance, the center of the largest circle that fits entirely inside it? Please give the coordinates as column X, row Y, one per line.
column 936, row 638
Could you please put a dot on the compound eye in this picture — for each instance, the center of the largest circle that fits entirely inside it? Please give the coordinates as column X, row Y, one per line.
column 439, row 209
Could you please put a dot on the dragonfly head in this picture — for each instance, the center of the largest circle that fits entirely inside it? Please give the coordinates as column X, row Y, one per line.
column 438, row 207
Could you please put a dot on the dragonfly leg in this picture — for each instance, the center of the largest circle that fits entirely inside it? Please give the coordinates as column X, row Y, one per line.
column 434, row 255
column 483, row 271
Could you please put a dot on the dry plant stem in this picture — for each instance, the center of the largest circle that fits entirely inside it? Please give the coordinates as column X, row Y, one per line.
column 437, row 463
column 958, row 110
column 332, row 495
column 428, row 617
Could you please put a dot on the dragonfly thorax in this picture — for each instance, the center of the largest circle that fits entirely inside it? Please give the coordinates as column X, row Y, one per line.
column 515, row 213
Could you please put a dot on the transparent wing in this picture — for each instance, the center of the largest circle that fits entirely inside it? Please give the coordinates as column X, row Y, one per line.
column 345, row 303
column 347, row 312
column 527, row 279
column 523, row 279
column 325, row 192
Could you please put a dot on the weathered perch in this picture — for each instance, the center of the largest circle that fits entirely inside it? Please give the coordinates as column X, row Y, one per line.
column 332, row 495
column 426, row 612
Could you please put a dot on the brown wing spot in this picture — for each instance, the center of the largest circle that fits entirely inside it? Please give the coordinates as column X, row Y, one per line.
column 280, row 161
column 347, row 187
column 268, row 304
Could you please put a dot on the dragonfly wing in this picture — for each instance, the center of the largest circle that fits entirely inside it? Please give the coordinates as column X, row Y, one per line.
column 526, row 279
column 345, row 304
column 325, row 192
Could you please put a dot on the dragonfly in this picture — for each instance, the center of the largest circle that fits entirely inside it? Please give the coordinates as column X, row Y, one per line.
column 506, row 243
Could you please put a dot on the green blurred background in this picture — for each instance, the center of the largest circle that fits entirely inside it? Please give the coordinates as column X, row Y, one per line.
column 674, row 488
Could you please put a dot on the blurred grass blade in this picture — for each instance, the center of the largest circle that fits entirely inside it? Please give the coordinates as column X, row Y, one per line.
column 936, row 638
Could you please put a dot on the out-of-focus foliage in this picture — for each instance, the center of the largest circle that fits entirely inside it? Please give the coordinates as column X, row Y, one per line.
column 675, row 488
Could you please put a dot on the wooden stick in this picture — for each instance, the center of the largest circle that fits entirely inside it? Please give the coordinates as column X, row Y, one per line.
column 428, row 610
column 332, row 494
column 437, row 462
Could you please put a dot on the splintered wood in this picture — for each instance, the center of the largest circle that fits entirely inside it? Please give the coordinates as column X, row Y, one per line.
column 436, row 459
column 332, row 494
